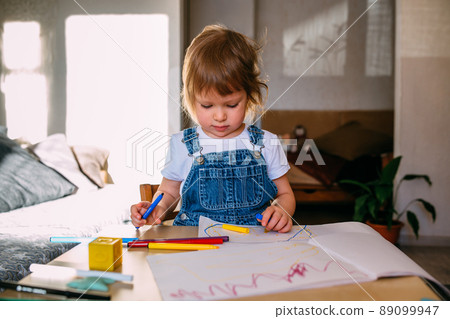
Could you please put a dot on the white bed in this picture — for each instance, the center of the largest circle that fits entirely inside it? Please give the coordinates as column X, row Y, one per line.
column 53, row 189
column 25, row 232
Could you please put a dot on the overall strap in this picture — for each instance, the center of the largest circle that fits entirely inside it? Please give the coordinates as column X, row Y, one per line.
column 256, row 135
column 190, row 139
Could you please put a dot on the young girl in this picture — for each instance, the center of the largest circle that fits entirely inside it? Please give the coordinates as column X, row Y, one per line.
column 226, row 170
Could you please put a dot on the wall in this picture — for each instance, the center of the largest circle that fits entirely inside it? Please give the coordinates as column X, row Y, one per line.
column 52, row 15
column 355, row 74
column 235, row 14
column 422, row 112
column 124, row 118
column 172, row 8
column 109, row 110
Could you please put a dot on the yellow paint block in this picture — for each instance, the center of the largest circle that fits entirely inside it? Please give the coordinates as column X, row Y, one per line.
column 105, row 253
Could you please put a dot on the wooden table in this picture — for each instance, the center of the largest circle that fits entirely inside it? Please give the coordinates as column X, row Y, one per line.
column 144, row 287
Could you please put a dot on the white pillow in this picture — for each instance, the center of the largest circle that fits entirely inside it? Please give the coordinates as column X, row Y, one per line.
column 55, row 153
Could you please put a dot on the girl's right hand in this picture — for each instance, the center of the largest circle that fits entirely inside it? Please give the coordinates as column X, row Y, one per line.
column 139, row 209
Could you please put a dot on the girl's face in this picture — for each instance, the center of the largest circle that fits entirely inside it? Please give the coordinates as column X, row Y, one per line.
column 221, row 116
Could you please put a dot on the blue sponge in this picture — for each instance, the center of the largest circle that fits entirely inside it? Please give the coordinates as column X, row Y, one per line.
column 91, row 283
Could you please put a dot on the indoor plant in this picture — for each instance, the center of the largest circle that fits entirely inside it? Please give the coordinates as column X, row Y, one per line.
column 376, row 200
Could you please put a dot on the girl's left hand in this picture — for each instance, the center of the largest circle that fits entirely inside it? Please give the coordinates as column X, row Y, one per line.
column 275, row 218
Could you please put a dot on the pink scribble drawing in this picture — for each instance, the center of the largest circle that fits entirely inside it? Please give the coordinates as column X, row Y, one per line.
column 231, row 290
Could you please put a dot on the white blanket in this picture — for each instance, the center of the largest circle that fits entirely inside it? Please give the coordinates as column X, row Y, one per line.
column 75, row 215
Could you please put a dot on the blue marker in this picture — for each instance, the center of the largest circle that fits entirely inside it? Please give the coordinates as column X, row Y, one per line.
column 260, row 217
column 152, row 207
column 55, row 239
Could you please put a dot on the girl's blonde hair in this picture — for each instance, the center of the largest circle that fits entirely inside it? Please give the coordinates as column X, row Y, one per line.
column 225, row 61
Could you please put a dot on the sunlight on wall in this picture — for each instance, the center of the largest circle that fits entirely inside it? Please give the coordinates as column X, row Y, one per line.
column 24, row 86
column 22, row 45
column 26, row 106
column 113, row 62
column 304, row 42
column 379, row 44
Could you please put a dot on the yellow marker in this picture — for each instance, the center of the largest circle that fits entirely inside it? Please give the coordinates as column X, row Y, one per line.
column 236, row 228
column 176, row 246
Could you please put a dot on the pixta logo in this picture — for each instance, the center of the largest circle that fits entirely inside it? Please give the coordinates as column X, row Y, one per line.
column 147, row 151
column 309, row 147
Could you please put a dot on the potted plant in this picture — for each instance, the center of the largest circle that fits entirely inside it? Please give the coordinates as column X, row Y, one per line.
column 376, row 200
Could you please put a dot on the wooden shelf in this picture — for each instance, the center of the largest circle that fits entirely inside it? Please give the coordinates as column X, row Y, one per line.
column 319, row 194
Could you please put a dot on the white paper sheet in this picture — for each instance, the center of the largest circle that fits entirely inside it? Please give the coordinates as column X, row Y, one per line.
column 248, row 270
column 373, row 256
column 261, row 263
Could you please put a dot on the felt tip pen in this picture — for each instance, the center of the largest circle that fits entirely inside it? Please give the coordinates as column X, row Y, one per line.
column 52, row 271
column 152, row 207
column 144, row 243
column 238, row 229
column 48, row 291
column 176, row 246
column 260, row 217
column 55, row 239
column 187, row 240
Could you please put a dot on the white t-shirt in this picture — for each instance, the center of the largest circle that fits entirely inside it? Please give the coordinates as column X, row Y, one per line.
column 179, row 163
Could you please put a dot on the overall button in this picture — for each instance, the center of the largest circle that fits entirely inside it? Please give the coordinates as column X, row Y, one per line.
column 183, row 216
column 200, row 160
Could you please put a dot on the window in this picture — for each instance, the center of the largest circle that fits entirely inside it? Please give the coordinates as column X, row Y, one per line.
column 117, row 79
column 24, row 83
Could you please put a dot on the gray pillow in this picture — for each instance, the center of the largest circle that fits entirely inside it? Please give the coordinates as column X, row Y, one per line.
column 24, row 181
column 352, row 140
column 54, row 152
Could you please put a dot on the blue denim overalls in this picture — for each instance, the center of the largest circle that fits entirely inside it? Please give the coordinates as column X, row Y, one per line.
column 229, row 187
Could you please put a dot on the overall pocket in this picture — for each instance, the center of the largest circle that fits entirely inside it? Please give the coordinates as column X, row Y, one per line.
column 235, row 187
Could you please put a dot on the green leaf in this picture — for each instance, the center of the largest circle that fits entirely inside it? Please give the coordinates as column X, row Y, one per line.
column 383, row 192
column 389, row 214
column 409, row 177
column 361, row 185
column 389, row 172
column 360, row 208
column 373, row 183
column 389, row 223
column 373, row 207
column 414, row 222
column 430, row 208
